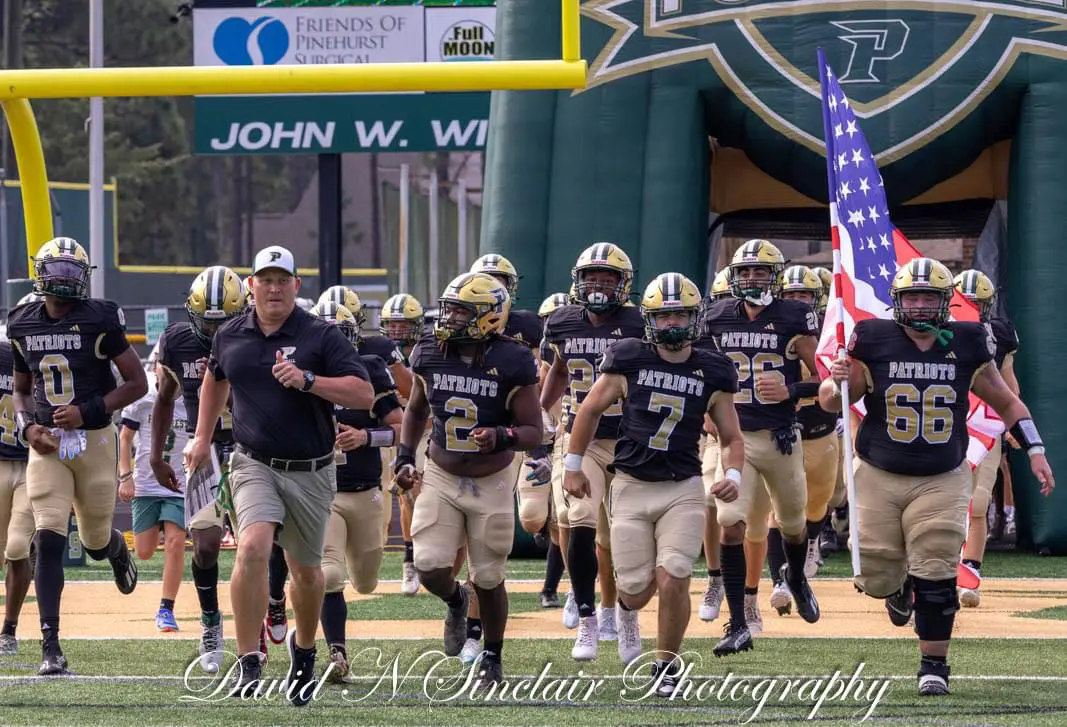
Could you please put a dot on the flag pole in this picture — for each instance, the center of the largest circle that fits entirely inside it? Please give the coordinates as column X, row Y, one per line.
column 838, row 301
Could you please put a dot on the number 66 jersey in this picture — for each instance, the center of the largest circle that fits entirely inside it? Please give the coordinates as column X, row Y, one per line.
column 70, row 358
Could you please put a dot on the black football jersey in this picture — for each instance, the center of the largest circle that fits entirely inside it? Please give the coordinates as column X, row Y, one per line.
column 361, row 469
column 663, row 412
column 1006, row 337
column 815, row 422
column 12, row 446
column 916, row 421
column 381, row 347
column 574, row 338
column 463, row 396
column 179, row 351
column 70, row 358
column 764, row 345
column 525, row 327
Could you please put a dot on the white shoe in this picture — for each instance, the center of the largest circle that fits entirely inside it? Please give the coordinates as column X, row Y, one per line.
column 713, row 596
column 629, row 631
column 585, row 645
column 409, row 586
column 970, row 598
column 471, row 650
column 570, row 612
column 781, row 599
column 606, row 619
column 813, row 560
column 752, row 615
column 211, row 645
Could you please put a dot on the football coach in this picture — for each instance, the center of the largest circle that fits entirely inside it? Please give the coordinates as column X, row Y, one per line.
column 285, row 370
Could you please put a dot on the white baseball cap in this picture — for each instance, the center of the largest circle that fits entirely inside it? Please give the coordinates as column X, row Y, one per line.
column 274, row 256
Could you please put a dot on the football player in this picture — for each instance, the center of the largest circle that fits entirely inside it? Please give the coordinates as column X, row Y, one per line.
column 65, row 395
column 978, row 288
column 578, row 335
column 481, row 389
column 767, row 338
column 353, row 537
column 155, row 508
column 657, row 495
column 914, row 374
column 215, row 296
column 16, row 515
column 403, row 321
column 711, row 601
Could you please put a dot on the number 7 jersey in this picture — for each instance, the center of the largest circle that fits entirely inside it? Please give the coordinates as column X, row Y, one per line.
column 765, row 345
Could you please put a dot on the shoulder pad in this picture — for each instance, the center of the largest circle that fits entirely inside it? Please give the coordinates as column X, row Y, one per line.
column 621, row 355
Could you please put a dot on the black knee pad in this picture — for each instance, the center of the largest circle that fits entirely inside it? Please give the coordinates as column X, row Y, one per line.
column 936, row 603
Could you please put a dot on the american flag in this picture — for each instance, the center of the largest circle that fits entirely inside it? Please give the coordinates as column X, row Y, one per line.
column 868, row 249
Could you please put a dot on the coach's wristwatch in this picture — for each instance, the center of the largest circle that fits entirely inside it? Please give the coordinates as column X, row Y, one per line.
column 309, row 381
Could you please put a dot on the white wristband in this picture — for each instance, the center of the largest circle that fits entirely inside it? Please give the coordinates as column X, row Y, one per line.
column 572, row 462
column 733, row 474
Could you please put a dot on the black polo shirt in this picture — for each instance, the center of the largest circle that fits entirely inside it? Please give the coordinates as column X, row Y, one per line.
column 269, row 418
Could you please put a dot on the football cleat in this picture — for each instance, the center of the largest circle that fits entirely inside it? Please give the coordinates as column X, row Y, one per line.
column 629, row 631
column 606, row 620
column 781, row 600
column 277, row 622
column 585, row 644
column 752, row 615
column 735, row 640
column 712, row 600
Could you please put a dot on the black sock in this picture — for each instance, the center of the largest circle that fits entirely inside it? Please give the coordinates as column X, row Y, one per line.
column 166, row 604
column 333, row 615
column 409, row 551
column 927, row 659
column 976, row 564
column 553, row 569
column 474, row 629
column 751, row 591
column 795, row 555
column 48, row 580
column 277, row 572
column 456, row 599
column 115, row 548
column 581, row 555
column 492, row 651
column 733, row 581
column 714, row 573
column 207, row 587
column 623, row 606
column 775, row 554
column 9, row 627
column 815, row 528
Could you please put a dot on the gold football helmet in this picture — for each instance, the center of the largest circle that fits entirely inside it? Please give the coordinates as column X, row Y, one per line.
column 922, row 275
column 671, row 293
column 757, row 254
column 802, row 279
column 348, row 298
column 720, row 286
column 61, row 269
column 975, row 286
column 549, row 304
column 339, row 316
column 597, row 297
column 827, row 279
column 499, row 267
column 216, row 295
column 472, row 307
column 402, row 319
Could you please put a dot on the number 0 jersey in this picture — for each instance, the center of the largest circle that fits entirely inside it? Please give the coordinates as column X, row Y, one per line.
column 12, row 447
column 69, row 358
column 180, row 354
column 764, row 345
column 663, row 412
column 917, row 407
column 361, row 469
column 465, row 396
column 573, row 338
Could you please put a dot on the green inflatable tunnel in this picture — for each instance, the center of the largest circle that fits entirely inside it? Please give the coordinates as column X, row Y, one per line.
column 702, row 122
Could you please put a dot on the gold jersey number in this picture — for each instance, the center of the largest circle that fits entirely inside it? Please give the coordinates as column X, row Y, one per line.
column 675, row 407
column 582, row 376
column 458, row 426
column 932, row 419
column 9, row 433
column 762, row 363
column 58, row 379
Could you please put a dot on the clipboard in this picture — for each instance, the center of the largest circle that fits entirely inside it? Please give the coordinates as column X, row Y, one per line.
column 202, row 486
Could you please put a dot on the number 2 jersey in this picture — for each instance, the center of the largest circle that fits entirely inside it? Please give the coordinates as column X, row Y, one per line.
column 572, row 337
column 12, row 446
column 464, row 396
column 764, row 345
column 917, row 407
column 180, row 350
column 361, row 469
column 69, row 358
column 663, row 412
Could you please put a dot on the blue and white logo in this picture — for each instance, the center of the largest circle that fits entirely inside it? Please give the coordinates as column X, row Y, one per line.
column 260, row 42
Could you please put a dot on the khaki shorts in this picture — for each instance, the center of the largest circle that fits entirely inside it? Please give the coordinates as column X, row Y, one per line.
column 655, row 524
column 352, row 537
column 592, row 511
column 822, row 459
column 299, row 502
column 16, row 514
column 710, row 471
column 478, row 512
column 87, row 482
column 913, row 525
column 770, row 481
